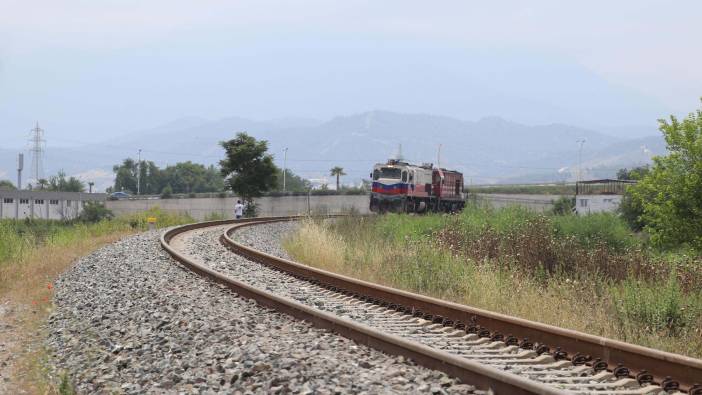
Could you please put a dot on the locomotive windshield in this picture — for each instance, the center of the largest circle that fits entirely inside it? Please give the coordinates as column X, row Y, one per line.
column 387, row 172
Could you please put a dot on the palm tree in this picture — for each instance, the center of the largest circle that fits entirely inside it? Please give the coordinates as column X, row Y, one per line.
column 337, row 171
column 42, row 183
column 90, row 185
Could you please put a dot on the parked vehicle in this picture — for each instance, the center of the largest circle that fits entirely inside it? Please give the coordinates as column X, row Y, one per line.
column 119, row 195
column 402, row 187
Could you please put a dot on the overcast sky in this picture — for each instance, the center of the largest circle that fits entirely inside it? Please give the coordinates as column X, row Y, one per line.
column 88, row 70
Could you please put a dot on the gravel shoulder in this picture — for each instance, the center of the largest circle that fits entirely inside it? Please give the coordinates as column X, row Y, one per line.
column 127, row 319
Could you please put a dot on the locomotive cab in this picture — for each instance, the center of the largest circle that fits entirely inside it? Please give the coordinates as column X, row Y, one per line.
column 402, row 187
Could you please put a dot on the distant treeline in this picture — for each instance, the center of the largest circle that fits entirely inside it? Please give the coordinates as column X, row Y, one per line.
column 192, row 178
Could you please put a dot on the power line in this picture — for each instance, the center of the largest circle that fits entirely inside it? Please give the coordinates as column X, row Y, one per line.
column 37, row 150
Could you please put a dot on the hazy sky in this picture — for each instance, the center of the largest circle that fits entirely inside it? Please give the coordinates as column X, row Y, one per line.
column 90, row 69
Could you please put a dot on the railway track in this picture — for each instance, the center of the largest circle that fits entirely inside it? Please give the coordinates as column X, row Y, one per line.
column 486, row 349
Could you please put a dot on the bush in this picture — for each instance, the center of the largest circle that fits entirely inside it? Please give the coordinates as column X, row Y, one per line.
column 593, row 229
column 656, row 306
column 631, row 211
column 95, row 212
column 564, row 205
column 167, row 192
column 250, row 209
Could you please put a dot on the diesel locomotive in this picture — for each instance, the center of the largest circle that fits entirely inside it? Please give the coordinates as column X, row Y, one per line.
column 402, row 187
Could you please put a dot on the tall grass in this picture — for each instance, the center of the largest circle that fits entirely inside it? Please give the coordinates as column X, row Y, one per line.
column 20, row 238
column 583, row 273
column 32, row 254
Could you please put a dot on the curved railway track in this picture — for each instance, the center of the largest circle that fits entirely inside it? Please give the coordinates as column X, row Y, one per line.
column 486, row 349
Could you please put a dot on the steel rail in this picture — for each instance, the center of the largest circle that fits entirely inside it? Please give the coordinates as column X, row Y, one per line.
column 469, row 372
column 686, row 371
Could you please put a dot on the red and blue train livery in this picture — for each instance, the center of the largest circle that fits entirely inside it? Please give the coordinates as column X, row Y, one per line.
column 406, row 188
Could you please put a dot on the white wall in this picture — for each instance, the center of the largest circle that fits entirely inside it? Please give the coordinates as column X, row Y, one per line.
column 588, row 204
column 38, row 204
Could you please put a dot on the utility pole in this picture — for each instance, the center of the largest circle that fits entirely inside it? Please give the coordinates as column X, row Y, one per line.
column 580, row 158
column 37, row 141
column 20, row 167
column 139, row 174
column 285, row 165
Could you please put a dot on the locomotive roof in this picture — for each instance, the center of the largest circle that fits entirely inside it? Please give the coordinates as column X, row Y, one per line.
column 428, row 166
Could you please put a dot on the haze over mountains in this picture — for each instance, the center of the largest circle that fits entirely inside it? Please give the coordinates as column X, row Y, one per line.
column 490, row 150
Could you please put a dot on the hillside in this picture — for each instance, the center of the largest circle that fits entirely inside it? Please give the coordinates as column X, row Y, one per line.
column 488, row 150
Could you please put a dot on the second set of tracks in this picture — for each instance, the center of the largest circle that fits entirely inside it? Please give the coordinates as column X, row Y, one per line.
column 489, row 350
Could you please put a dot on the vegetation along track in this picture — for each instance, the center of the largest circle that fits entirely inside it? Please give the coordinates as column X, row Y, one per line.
column 486, row 349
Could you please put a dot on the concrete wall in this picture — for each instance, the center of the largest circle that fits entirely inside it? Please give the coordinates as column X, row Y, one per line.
column 44, row 204
column 588, row 204
column 539, row 203
column 199, row 208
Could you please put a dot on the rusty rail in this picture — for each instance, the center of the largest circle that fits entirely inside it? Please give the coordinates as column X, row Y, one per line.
column 470, row 372
column 664, row 366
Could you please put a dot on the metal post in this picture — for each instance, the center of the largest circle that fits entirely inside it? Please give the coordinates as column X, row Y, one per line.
column 139, row 174
column 580, row 159
column 285, row 165
column 309, row 208
column 20, row 167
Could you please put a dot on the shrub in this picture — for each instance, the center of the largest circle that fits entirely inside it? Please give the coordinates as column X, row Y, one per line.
column 656, row 307
column 95, row 212
column 250, row 209
column 593, row 229
column 564, row 205
column 167, row 192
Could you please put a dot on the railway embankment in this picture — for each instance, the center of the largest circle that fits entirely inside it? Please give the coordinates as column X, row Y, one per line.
column 129, row 319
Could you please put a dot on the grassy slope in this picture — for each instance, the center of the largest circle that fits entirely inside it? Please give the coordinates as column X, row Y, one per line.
column 32, row 255
column 588, row 274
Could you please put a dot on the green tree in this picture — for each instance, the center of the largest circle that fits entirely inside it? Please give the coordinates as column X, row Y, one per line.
column 248, row 168
column 338, row 172
column 293, row 182
column 188, row 177
column 42, row 183
column 5, row 184
column 183, row 177
column 670, row 194
column 60, row 183
column 631, row 208
column 637, row 173
column 126, row 176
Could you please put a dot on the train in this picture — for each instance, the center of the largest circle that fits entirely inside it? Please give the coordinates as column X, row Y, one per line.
column 402, row 187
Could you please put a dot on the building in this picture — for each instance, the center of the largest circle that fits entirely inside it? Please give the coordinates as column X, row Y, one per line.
column 44, row 204
column 597, row 196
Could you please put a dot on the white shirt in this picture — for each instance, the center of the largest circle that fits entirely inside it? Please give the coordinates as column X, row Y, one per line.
column 239, row 209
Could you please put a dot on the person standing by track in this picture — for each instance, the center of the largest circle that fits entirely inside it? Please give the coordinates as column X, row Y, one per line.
column 238, row 210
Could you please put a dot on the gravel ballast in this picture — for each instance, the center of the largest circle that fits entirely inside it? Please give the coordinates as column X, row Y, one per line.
column 128, row 319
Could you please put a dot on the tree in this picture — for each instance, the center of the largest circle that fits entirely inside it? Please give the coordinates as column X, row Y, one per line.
column 630, row 208
column 183, row 177
column 60, row 183
column 125, row 176
column 43, row 183
column 248, row 168
column 337, row 171
column 90, row 186
column 293, row 182
column 5, row 184
column 636, row 173
column 670, row 194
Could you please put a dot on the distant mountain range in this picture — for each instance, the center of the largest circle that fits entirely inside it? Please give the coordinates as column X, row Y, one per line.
column 491, row 150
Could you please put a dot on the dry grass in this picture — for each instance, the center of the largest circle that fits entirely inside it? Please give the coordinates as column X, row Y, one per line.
column 584, row 304
column 32, row 256
column 27, row 283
